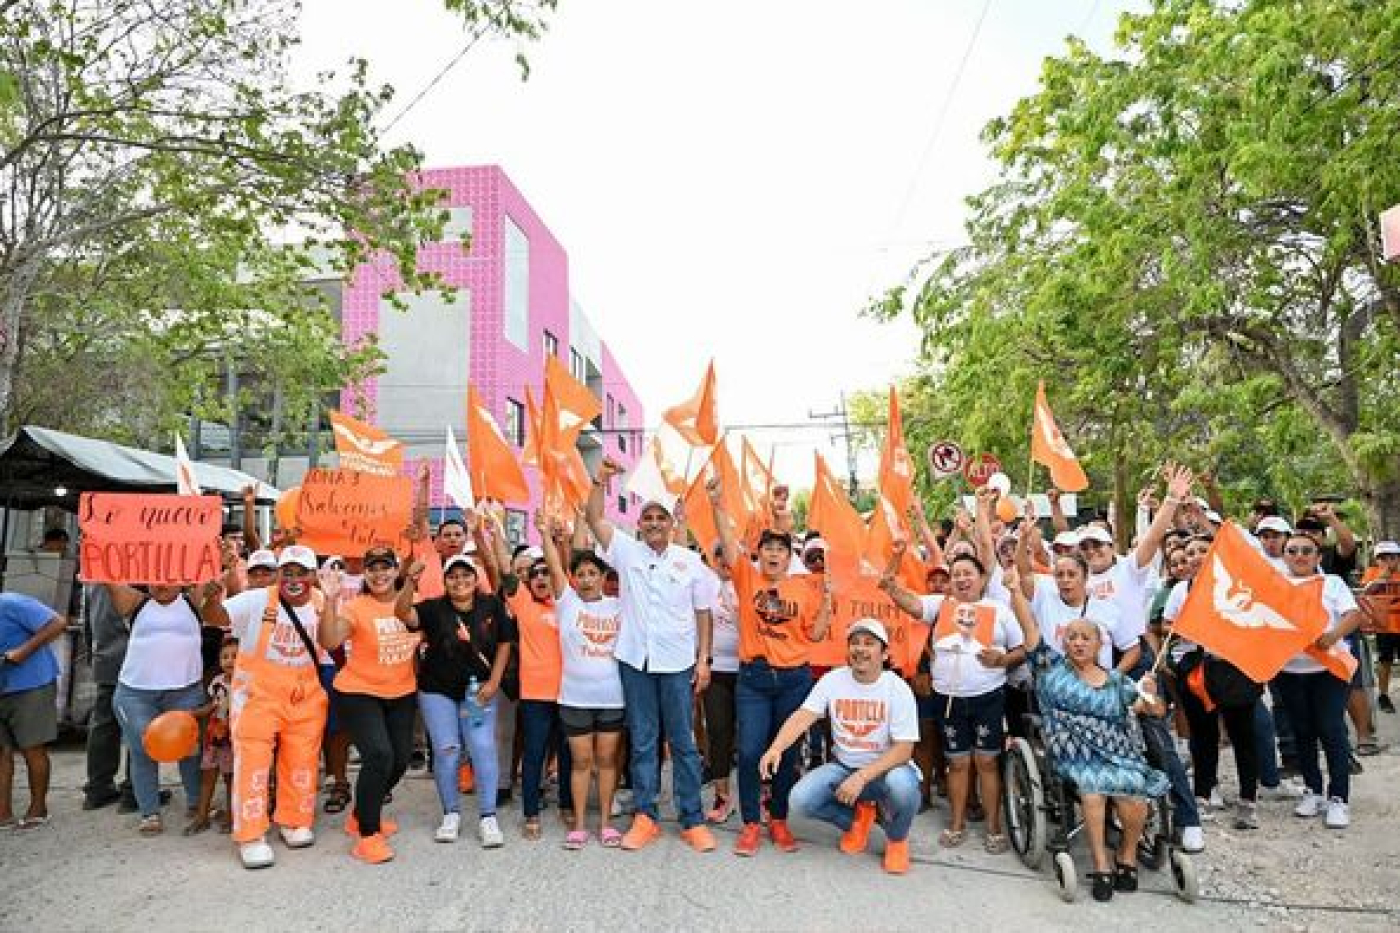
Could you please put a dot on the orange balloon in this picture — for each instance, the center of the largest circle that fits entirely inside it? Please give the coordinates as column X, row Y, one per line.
column 1006, row 509
column 286, row 509
column 171, row 736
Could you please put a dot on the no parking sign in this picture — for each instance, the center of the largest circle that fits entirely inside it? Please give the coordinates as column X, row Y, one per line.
column 945, row 459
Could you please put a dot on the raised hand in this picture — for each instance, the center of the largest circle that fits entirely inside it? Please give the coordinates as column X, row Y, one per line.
column 332, row 582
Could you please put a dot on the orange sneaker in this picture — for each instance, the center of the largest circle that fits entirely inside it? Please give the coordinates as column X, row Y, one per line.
column 466, row 779
column 854, row 839
column 372, row 849
column 782, row 836
column 750, row 837
column 643, row 833
column 387, row 827
column 699, row 838
column 897, row 857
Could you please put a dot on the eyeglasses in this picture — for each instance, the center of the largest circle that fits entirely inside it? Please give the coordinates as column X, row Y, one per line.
column 1300, row 551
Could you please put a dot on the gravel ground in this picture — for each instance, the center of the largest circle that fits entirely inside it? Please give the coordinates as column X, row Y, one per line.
column 89, row 871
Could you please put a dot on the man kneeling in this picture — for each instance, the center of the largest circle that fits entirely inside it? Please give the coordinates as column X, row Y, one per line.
column 874, row 728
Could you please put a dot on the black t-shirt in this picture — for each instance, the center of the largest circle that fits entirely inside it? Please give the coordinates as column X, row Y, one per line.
column 1334, row 563
column 459, row 644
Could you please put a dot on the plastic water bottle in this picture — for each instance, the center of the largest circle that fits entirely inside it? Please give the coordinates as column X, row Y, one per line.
column 473, row 708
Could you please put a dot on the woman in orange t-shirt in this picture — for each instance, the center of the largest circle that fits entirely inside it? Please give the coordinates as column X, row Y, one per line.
column 1380, row 586
column 376, row 689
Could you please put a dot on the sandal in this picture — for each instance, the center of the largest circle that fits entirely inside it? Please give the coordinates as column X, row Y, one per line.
column 952, row 838
column 32, row 822
column 532, row 828
column 996, row 843
column 338, row 797
column 1368, row 748
column 610, row 838
column 575, row 840
column 1125, row 878
column 1102, row 885
column 150, row 825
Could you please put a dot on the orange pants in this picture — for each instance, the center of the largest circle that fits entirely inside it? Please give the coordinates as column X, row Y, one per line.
column 289, row 714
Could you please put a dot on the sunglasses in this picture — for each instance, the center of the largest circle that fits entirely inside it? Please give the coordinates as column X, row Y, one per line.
column 1092, row 545
column 1299, row 551
column 538, row 572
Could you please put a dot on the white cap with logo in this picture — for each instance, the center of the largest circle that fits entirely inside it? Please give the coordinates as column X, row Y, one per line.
column 870, row 627
column 297, row 554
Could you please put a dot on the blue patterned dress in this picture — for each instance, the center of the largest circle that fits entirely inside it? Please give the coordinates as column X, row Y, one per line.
column 1091, row 735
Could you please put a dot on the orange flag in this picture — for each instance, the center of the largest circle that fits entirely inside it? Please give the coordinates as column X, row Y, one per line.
column 1338, row 660
column 831, row 513
column 697, row 500
column 758, row 480
column 1048, row 448
column 896, row 495
column 1247, row 612
column 577, row 405
column 697, row 418
column 550, row 447
column 365, row 448
column 495, row 473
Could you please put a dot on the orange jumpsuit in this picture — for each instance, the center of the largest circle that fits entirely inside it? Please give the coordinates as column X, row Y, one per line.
column 276, row 701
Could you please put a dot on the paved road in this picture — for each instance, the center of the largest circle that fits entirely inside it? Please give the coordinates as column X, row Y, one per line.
column 91, row 871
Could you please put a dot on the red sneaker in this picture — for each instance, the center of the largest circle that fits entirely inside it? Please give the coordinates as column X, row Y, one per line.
column 853, row 841
column 750, row 837
column 782, row 836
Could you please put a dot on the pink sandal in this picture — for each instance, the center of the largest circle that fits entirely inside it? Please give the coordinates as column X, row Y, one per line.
column 576, row 840
column 611, row 838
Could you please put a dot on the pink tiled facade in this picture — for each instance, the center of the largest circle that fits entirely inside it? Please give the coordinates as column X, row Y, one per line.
column 498, row 368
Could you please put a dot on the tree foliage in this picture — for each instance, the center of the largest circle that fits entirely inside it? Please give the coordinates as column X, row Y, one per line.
column 1182, row 242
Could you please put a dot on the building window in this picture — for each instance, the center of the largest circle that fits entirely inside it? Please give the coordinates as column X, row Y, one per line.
column 612, row 411
column 515, row 422
column 622, row 504
column 621, row 426
column 578, row 367
column 551, row 344
column 517, row 316
column 515, row 526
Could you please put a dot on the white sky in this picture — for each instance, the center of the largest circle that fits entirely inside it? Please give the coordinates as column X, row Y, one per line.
column 731, row 178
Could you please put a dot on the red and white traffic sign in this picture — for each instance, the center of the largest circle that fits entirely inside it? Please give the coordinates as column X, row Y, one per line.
column 980, row 469
column 945, row 459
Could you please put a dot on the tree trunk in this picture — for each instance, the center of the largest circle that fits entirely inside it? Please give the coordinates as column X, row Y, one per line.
column 15, row 283
column 1381, row 499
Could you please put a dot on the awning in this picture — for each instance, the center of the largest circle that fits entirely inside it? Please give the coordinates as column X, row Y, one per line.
column 37, row 461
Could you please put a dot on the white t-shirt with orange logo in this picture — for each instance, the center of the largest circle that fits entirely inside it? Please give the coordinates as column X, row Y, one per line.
column 284, row 646
column 866, row 719
column 587, row 637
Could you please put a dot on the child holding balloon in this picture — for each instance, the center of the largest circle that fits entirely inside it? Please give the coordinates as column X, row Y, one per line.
column 216, row 760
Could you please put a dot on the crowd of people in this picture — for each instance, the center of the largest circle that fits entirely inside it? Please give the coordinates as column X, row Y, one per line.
column 598, row 656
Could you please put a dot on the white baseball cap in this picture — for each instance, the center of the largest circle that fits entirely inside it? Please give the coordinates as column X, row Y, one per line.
column 1386, row 548
column 1066, row 539
column 262, row 558
column 458, row 560
column 1213, row 517
column 871, row 627
column 1095, row 533
column 1273, row 523
column 297, row 554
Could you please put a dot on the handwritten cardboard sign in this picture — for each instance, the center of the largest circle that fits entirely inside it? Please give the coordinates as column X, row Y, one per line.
column 347, row 511
column 140, row 538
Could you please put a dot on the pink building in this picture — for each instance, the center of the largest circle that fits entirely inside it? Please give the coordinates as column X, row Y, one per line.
column 512, row 306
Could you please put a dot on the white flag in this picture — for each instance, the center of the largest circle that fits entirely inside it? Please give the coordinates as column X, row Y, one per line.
column 649, row 480
column 456, row 481
column 185, row 483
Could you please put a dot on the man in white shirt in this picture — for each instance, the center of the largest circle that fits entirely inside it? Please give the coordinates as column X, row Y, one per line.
column 874, row 728
column 663, row 654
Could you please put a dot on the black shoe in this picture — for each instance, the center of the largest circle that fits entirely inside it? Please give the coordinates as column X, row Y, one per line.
column 503, row 797
column 1383, row 701
column 1101, row 885
column 102, row 798
column 1125, row 878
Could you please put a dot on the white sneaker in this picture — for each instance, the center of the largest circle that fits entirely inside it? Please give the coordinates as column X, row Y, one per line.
column 1338, row 814
column 297, row 837
column 448, row 830
column 1193, row 839
column 490, row 832
column 255, row 854
column 1309, row 806
column 1285, row 790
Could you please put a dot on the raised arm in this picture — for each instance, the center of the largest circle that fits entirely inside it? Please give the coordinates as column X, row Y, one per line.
column 124, row 598
column 1057, row 511
column 1346, row 541
column 1025, row 566
column 593, row 511
column 421, row 488
column 1179, row 480
column 919, row 520
column 986, row 547
column 558, row 577
column 409, row 572
column 333, row 628
column 1021, row 609
column 251, row 539
column 730, row 553
column 821, row 623
column 889, row 582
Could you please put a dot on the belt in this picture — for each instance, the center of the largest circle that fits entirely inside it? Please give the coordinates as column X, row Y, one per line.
column 761, row 661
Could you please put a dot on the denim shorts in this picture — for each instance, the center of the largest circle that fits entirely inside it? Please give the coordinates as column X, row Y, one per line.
column 972, row 724
column 586, row 720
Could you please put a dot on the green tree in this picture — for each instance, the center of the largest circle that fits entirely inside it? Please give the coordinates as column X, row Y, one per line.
column 165, row 196
column 1182, row 242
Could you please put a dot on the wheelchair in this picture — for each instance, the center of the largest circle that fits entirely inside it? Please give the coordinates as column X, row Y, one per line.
column 1042, row 817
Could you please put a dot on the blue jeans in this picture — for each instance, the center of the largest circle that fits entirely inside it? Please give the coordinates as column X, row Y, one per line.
column 449, row 726
column 895, row 795
column 1159, row 739
column 764, row 698
column 135, row 708
column 1317, row 705
column 1266, row 744
column 541, row 733
column 653, row 701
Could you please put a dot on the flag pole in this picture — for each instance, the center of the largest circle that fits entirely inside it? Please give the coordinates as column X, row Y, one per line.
column 1030, row 471
column 1162, row 653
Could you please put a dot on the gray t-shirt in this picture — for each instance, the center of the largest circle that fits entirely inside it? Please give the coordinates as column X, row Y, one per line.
column 108, row 633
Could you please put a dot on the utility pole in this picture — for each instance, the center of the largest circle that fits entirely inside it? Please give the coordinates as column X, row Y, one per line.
column 844, row 435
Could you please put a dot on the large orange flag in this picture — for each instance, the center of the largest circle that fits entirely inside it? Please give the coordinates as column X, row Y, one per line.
column 577, row 405
column 365, row 448
column 495, row 473
column 550, row 447
column 697, row 500
column 831, row 513
column 697, row 418
column 896, row 495
column 1048, row 447
column 1244, row 610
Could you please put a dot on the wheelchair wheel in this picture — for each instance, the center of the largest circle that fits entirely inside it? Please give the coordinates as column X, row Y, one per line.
column 1065, row 877
column 1152, row 847
column 1184, row 877
column 1025, row 804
